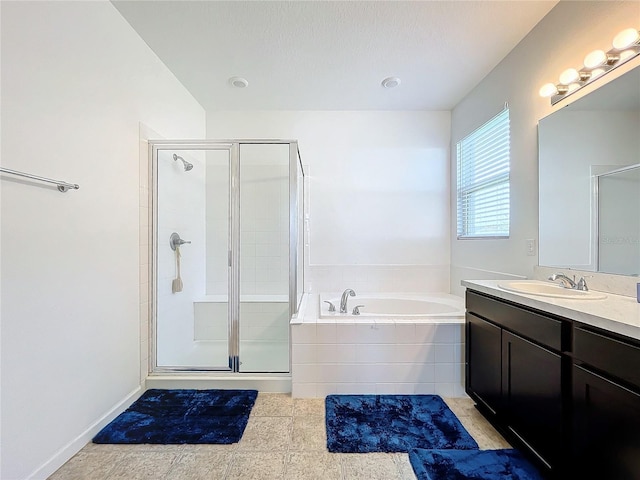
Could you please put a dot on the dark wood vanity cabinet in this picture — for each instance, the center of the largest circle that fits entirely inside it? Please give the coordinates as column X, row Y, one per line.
column 532, row 392
column 513, row 371
column 606, row 405
column 565, row 393
column 484, row 362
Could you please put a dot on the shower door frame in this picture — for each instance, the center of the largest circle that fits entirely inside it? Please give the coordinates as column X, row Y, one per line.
column 233, row 309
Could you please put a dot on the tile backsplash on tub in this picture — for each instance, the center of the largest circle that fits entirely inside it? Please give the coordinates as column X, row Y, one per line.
column 377, row 359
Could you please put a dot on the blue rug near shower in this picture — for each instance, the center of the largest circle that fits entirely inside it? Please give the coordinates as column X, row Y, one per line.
column 506, row 464
column 392, row 423
column 182, row 416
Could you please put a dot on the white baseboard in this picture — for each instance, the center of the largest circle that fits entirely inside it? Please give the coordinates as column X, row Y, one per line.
column 75, row 445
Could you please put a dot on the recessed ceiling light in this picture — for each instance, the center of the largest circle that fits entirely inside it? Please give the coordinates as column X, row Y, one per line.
column 238, row 82
column 391, row 82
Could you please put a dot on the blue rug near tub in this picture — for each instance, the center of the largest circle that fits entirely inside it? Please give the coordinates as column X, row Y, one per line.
column 392, row 423
column 182, row 416
column 506, row 464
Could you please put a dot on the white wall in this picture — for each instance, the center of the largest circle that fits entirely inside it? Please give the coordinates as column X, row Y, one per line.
column 76, row 82
column 559, row 41
column 378, row 193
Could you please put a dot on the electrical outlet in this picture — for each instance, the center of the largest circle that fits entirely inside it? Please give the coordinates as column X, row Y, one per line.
column 531, row 247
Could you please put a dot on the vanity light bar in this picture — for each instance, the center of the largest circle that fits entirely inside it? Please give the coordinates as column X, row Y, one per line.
column 626, row 45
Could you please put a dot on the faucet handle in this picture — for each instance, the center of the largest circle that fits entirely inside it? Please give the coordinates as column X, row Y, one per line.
column 332, row 307
column 356, row 309
column 582, row 283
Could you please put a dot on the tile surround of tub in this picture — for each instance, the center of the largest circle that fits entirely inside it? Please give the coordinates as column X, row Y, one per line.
column 389, row 358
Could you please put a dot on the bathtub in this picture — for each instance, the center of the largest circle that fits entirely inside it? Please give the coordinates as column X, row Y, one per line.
column 399, row 344
column 396, row 307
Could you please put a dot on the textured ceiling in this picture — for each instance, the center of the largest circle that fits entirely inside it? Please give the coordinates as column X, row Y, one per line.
column 324, row 55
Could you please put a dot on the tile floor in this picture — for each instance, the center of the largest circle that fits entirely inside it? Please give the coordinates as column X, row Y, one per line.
column 284, row 439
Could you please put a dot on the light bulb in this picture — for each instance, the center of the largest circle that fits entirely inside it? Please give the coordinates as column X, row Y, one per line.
column 573, row 87
column 595, row 59
column 626, row 55
column 626, row 38
column 570, row 75
column 548, row 90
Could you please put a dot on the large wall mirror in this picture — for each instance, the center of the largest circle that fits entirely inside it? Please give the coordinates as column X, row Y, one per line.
column 589, row 174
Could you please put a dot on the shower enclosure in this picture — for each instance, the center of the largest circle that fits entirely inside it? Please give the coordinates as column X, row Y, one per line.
column 227, row 254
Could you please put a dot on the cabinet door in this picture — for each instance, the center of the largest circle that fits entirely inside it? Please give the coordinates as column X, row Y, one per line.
column 484, row 362
column 606, row 428
column 532, row 395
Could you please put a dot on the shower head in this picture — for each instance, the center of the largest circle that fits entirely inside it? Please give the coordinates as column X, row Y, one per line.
column 187, row 166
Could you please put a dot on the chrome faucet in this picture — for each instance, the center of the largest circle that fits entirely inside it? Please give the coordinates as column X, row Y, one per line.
column 343, row 301
column 566, row 281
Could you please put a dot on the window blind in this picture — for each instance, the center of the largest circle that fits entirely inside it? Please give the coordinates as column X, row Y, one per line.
column 483, row 180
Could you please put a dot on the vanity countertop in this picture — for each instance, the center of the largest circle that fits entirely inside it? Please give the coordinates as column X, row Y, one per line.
column 615, row 313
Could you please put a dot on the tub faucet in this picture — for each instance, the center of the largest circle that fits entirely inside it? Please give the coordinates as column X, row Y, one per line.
column 343, row 301
column 566, row 281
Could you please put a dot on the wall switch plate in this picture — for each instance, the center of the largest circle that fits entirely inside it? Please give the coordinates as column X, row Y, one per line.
column 531, row 247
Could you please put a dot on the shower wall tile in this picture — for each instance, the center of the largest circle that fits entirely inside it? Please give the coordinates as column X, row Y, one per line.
column 210, row 321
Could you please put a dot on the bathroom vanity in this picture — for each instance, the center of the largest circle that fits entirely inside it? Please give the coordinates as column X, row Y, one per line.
column 560, row 378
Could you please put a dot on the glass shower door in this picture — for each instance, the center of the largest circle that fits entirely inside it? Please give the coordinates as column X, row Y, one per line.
column 264, row 257
column 192, row 282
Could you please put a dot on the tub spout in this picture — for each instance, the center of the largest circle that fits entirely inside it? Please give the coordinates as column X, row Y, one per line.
column 343, row 301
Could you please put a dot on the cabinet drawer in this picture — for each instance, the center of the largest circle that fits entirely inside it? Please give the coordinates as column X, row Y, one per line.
column 539, row 328
column 615, row 357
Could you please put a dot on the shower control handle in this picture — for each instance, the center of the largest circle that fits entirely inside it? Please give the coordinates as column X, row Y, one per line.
column 175, row 241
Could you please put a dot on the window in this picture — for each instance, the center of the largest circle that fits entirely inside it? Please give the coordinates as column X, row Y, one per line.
column 483, row 180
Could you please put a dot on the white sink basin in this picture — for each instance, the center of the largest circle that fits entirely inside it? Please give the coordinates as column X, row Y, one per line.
column 546, row 289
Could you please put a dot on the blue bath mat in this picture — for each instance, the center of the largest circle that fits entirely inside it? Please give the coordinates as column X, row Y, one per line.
column 392, row 423
column 471, row 465
column 182, row 416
